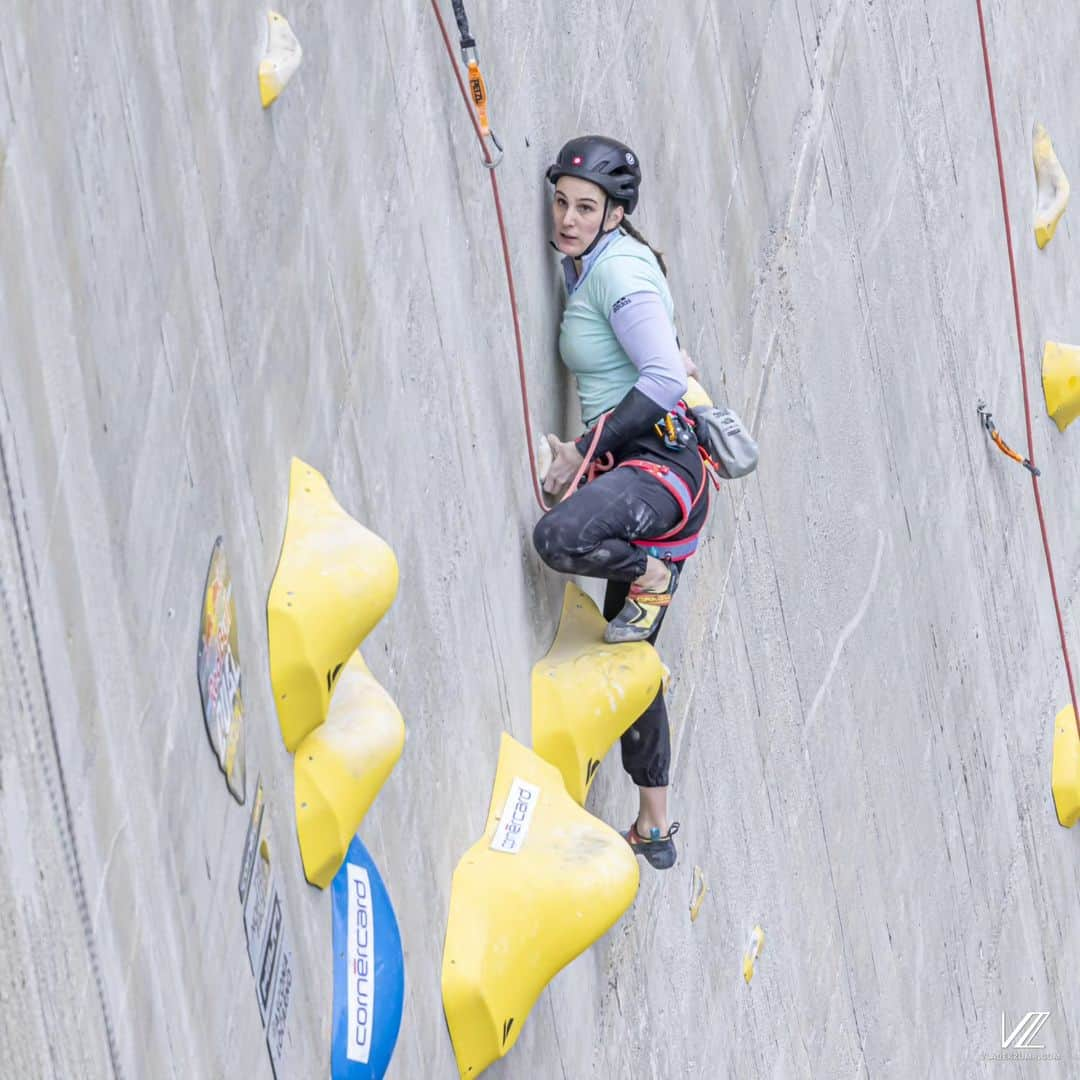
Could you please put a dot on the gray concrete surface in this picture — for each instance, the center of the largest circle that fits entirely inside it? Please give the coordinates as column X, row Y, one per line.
column 865, row 655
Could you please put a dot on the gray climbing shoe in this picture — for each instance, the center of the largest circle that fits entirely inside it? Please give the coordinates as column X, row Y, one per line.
column 659, row 851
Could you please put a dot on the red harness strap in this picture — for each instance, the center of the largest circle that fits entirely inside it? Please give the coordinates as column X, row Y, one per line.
column 671, row 545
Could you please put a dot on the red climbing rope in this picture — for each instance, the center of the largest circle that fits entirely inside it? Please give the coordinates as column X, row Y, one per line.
column 505, row 250
column 1023, row 362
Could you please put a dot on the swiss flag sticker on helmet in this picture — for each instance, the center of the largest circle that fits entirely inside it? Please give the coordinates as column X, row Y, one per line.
column 576, row 161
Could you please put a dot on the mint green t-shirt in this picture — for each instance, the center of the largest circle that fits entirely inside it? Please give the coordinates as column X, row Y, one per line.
column 587, row 344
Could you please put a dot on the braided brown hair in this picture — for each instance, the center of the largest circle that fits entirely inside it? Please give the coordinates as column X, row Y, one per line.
column 631, row 231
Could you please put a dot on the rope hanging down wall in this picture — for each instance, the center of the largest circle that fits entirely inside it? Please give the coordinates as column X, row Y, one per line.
column 468, row 49
column 1023, row 363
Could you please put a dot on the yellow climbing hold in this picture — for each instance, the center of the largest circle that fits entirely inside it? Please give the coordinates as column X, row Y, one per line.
column 283, row 56
column 335, row 580
column 340, row 767
column 1061, row 382
column 1053, row 184
column 696, row 395
column 586, row 693
column 698, row 889
column 753, row 951
column 1065, row 768
column 545, row 881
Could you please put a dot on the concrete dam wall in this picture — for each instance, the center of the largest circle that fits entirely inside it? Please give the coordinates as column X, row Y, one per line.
column 864, row 653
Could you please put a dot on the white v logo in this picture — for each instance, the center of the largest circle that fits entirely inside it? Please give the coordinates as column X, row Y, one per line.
column 1024, row 1032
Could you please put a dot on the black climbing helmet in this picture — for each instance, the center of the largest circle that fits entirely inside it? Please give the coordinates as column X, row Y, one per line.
column 611, row 165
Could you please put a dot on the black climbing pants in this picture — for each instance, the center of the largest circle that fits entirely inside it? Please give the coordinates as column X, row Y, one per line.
column 646, row 745
column 590, row 534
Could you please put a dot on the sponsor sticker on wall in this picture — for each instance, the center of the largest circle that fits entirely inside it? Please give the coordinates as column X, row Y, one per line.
column 218, row 666
column 278, row 1037
column 369, row 970
column 361, row 964
column 257, row 904
column 513, row 827
column 251, row 841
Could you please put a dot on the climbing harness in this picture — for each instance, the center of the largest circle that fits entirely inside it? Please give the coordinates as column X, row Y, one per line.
column 1023, row 362
column 477, row 87
column 673, row 545
column 674, row 429
column 987, row 418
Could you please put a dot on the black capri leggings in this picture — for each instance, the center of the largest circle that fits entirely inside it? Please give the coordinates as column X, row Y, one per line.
column 590, row 535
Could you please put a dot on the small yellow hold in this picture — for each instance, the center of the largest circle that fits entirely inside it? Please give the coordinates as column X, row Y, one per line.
column 696, row 395
column 1053, row 194
column 586, row 693
column 753, row 951
column 283, row 56
column 1061, row 382
column 1065, row 768
column 665, row 677
column 341, row 766
column 697, row 893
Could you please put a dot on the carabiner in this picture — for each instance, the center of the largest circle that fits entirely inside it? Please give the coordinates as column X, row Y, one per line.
column 494, row 163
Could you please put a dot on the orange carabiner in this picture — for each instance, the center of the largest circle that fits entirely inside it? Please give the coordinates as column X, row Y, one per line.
column 479, row 95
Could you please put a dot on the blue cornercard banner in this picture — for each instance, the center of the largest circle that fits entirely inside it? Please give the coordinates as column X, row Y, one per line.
column 369, row 970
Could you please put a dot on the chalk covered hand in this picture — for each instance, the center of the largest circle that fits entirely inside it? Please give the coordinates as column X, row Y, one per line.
column 566, row 460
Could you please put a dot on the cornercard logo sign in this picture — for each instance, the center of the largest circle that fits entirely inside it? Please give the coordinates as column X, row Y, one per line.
column 361, row 974
column 516, row 817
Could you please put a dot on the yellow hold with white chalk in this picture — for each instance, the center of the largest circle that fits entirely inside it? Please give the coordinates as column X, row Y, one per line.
column 334, row 581
column 341, row 766
column 698, row 889
column 586, row 693
column 544, row 882
column 753, row 951
column 1053, row 193
column 283, row 56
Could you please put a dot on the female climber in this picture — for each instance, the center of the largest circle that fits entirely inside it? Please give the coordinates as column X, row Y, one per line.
column 634, row 517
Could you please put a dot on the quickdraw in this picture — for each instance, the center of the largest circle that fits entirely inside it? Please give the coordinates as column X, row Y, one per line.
column 988, row 424
column 477, row 87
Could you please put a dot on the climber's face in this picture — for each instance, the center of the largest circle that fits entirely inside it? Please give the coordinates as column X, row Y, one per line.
column 578, row 213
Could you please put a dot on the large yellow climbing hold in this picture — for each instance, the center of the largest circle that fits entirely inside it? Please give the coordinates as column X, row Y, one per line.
column 545, row 881
column 335, row 580
column 1065, row 768
column 1061, row 382
column 586, row 693
column 1053, row 195
column 340, row 767
column 283, row 56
